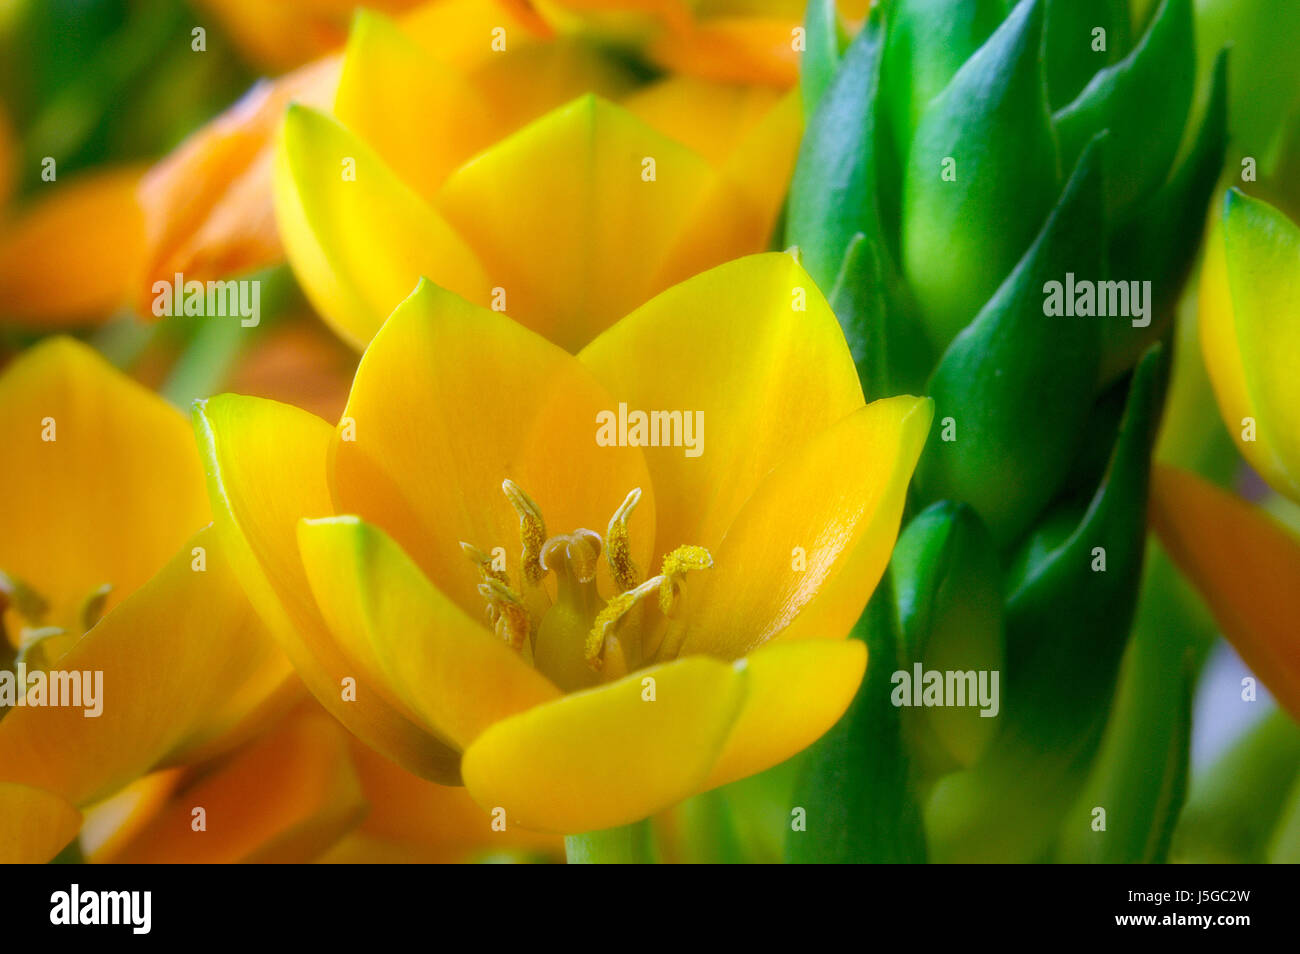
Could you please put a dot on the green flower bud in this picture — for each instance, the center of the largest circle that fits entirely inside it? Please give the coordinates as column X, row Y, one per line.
column 949, row 596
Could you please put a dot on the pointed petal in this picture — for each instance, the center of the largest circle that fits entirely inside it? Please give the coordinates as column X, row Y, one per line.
column 608, row 756
column 730, row 347
column 34, row 825
column 182, row 662
column 572, row 183
column 83, row 509
column 807, row 549
column 449, row 400
column 420, row 115
column 446, row 665
column 358, row 238
column 1245, row 566
column 207, row 205
column 70, row 258
column 267, row 470
column 796, row 691
column 1250, row 317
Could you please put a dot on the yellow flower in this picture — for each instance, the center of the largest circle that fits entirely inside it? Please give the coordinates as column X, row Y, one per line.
column 108, row 568
column 1250, row 334
column 371, row 548
column 685, row 173
column 34, row 825
column 1245, row 564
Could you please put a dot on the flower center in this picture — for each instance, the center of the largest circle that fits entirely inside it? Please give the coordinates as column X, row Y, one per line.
column 580, row 638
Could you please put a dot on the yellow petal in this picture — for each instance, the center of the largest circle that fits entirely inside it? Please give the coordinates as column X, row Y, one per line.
column 34, row 825
column 608, row 756
column 422, row 116
column 806, row 550
column 267, row 470
column 443, row 663
column 357, row 237
column 731, row 346
column 710, row 118
column 207, row 205
column 1250, row 320
column 183, row 661
column 71, row 257
column 1246, row 567
column 796, row 691
column 109, row 498
column 281, row 800
column 738, row 213
column 566, row 222
column 450, row 399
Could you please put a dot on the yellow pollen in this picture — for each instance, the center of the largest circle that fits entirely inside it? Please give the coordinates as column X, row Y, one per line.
column 618, row 548
column 532, row 530
column 513, row 622
column 676, row 565
column 609, row 617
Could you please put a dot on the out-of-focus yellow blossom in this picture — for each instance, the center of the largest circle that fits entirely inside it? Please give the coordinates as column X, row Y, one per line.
column 285, row 797
column 410, row 107
column 71, row 257
column 792, row 505
column 1245, row 564
column 108, row 568
column 1250, row 334
column 746, row 41
column 286, row 33
column 34, row 825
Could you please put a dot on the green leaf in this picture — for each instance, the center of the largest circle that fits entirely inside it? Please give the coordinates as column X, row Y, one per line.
column 981, row 176
column 833, row 192
column 1068, row 53
column 857, row 789
column 1017, row 383
column 1159, row 242
column 889, row 351
column 1140, row 774
column 1067, row 625
column 949, row 596
column 821, row 56
column 1144, row 101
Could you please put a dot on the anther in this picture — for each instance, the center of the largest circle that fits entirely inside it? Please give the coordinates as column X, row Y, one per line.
column 618, row 548
column 532, row 529
column 676, row 565
column 513, row 622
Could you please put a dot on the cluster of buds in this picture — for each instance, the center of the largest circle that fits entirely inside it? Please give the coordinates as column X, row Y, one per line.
column 1003, row 202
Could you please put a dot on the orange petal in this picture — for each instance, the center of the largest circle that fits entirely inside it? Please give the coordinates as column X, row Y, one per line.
column 70, row 258
column 34, row 825
column 207, row 206
column 1246, row 567
column 281, row 800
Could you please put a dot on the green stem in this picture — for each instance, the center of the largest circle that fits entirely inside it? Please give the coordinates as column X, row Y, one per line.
column 626, row 845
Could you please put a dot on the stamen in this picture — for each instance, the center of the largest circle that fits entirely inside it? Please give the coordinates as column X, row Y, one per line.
column 513, row 622
column 676, row 565
column 618, row 548
column 609, row 617
column 532, row 529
